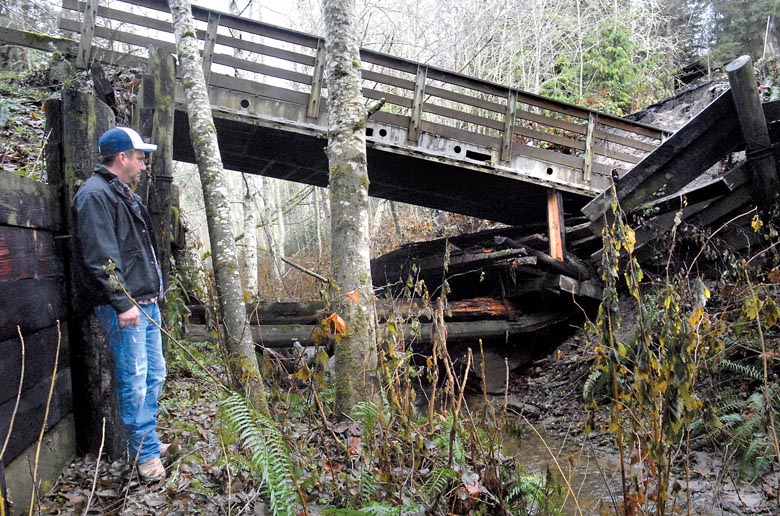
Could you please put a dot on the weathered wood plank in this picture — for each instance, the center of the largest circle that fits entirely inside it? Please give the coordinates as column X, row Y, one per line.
column 683, row 157
column 32, row 407
column 555, row 223
column 32, row 304
column 27, row 203
column 313, row 312
column 382, row 78
column 28, row 253
column 445, row 94
column 39, row 350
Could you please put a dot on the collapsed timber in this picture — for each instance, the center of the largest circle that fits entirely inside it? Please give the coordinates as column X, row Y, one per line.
column 500, row 285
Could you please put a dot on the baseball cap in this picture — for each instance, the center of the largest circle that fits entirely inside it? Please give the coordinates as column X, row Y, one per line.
column 121, row 139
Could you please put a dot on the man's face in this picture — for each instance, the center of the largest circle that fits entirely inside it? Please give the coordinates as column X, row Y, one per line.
column 132, row 162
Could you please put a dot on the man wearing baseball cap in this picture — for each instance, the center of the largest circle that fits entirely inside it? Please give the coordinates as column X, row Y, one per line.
column 115, row 253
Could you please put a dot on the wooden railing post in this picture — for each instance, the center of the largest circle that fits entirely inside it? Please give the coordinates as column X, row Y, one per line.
column 555, row 224
column 313, row 109
column 509, row 125
column 589, row 138
column 754, row 130
column 208, row 47
column 87, row 31
column 413, row 136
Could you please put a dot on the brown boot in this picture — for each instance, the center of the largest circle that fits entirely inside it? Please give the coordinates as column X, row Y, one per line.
column 151, row 470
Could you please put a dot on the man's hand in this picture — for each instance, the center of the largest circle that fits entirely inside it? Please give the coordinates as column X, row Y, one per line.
column 131, row 317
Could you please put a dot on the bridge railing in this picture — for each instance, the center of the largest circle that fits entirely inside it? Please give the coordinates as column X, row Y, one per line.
column 263, row 60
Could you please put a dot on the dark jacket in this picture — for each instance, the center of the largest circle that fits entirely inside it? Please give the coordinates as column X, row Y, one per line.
column 106, row 228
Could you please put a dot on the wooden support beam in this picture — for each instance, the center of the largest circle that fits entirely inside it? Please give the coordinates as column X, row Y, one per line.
column 754, row 130
column 509, row 125
column 556, row 224
column 413, row 136
column 589, row 139
column 209, row 43
column 87, row 30
column 315, row 96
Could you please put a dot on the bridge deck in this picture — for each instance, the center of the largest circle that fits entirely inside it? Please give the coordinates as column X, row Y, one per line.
column 443, row 140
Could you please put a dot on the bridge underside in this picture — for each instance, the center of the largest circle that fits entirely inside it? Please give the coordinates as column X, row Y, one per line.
column 398, row 176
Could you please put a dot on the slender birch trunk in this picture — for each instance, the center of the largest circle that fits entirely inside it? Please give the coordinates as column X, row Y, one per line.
column 242, row 360
column 356, row 353
column 250, row 238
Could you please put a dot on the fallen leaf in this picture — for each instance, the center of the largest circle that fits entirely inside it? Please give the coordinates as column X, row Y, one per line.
column 353, row 296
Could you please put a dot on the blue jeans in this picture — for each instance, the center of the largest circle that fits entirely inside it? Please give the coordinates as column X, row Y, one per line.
column 139, row 376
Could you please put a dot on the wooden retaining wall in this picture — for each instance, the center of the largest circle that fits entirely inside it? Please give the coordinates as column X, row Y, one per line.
column 33, row 314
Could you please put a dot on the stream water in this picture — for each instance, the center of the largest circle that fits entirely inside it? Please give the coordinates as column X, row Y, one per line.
column 589, row 477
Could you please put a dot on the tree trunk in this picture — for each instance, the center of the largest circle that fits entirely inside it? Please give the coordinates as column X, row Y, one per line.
column 242, row 361
column 352, row 295
column 250, row 238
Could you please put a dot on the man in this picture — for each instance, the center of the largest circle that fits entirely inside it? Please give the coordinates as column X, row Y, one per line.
column 118, row 272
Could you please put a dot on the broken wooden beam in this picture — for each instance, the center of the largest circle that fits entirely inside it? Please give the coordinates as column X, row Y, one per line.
column 758, row 145
column 313, row 312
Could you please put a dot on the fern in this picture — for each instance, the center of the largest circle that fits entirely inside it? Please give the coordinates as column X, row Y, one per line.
column 438, row 483
column 367, row 485
column 270, row 454
column 746, row 370
column 593, row 383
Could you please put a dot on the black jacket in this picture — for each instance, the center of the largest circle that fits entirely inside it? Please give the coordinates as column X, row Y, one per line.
column 106, row 228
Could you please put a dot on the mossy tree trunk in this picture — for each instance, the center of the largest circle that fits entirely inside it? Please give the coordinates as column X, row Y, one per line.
column 242, row 360
column 356, row 353
column 250, row 238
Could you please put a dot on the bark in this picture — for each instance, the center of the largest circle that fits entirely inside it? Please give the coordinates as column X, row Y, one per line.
column 242, row 361
column 250, row 239
column 356, row 358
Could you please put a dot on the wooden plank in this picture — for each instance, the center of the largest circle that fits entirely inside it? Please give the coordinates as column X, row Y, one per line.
column 465, row 99
column 27, row 203
column 39, row 350
column 720, row 209
column 37, row 41
column 509, row 126
column 462, row 135
column 370, row 75
column 388, row 61
column 266, row 50
column 32, row 304
column 556, row 158
column 32, row 406
column 390, row 98
column 271, row 71
column 238, row 23
column 121, row 36
column 124, row 17
column 463, row 116
column 413, row 134
column 28, row 254
column 760, row 153
column 87, row 30
column 464, row 81
column 210, row 40
column 681, row 158
column 556, row 225
column 261, row 90
column 315, row 95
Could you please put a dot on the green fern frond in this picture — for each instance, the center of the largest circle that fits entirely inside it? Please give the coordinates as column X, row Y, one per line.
column 269, row 453
column 592, row 383
column 746, row 370
column 437, row 483
column 368, row 486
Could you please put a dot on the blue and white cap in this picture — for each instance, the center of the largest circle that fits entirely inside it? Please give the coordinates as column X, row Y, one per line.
column 121, row 139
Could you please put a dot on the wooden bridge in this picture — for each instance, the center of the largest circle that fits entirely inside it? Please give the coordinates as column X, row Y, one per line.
column 442, row 140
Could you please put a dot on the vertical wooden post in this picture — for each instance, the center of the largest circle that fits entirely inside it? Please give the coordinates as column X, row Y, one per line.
column 509, row 125
column 75, row 124
column 754, row 129
column 589, row 137
column 154, row 113
column 556, row 225
column 413, row 136
column 208, row 47
column 87, row 30
column 313, row 109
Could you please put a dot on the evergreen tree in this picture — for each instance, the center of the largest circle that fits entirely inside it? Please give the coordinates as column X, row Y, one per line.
column 739, row 27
